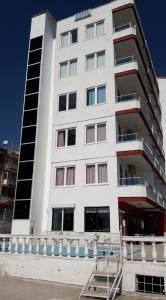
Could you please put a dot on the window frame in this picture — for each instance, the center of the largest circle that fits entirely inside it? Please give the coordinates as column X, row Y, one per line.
column 97, row 208
column 66, row 137
column 68, row 62
column 69, row 39
column 67, row 101
column 94, row 29
column 62, row 218
column 95, row 60
column 96, row 164
column 65, row 176
column 95, row 135
column 96, row 89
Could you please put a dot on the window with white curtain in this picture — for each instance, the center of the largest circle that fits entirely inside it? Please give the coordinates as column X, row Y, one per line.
column 96, row 173
column 95, row 60
column 69, row 37
column 95, row 133
column 73, row 67
column 66, row 137
column 94, row 30
column 100, row 59
column 68, row 68
column 65, row 176
column 96, row 95
column 64, row 39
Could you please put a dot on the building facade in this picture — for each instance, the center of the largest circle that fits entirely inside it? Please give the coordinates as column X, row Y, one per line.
column 91, row 156
column 8, row 173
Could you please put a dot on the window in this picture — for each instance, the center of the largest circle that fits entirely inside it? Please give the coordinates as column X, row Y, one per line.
column 66, row 137
column 96, row 133
column 24, row 189
column 33, row 71
column 96, row 95
column 31, row 101
column 65, row 176
column 27, row 152
column 67, row 102
column 97, row 219
column 68, row 38
column 34, row 57
column 150, row 284
column 25, row 170
column 68, row 68
column 30, row 117
column 96, row 173
column 32, row 86
column 95, row 60
column 28, row 134
column 62, row 219
column 22, row 209
column 94, row 30
column 36, row 43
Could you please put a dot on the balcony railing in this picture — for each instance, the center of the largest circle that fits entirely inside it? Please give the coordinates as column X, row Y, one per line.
column 130, row 137
column 131, row 181
column 6, row 198
column 123, row 27
column 127, row 97
column 125, row 60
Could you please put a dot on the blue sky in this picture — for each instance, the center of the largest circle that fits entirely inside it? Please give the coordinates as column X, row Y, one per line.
column 14, row 31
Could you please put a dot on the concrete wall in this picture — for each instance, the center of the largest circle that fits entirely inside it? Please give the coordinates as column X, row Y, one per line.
column 72, row 270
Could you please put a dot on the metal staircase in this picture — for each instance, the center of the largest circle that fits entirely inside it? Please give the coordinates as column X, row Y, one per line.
column 106, row 277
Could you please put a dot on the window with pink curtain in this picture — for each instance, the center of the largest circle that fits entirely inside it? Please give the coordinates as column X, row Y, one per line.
column 90, row 174
column 61, row 138
column 70, row 177
column 90, row 134
column 60, row 176
column 102, row 173
column 101, row 132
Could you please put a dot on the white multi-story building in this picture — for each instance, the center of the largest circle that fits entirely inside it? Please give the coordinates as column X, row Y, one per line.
column 92, row 156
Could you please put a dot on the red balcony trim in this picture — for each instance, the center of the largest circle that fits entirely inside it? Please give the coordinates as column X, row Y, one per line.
column 140, row 199
column 127, row 111
column 125, row 73
column 140, row 152
column 130, row 5
column 130, row 152
column 125, row 38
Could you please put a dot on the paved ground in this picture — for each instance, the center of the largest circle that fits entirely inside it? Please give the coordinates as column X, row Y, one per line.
column 17, row 289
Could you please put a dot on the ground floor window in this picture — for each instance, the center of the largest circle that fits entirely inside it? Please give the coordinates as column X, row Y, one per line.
column 62, row 219
column 97, row 219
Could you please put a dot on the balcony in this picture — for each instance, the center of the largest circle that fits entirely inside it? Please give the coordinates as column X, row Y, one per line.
column 140, row 142
column 125, row 23
column 130, row 137
column 131, row 96
column 140, row 187
column 123, row 27
column 131, row 181
column 127, row 97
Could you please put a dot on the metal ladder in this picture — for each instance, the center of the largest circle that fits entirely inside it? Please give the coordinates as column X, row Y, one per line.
column 104, row 284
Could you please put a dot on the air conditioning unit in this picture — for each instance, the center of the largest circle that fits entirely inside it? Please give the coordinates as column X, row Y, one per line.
column 132, row 169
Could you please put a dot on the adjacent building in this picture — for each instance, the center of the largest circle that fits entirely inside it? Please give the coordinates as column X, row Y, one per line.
column 8, row 173
column 92, row 157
